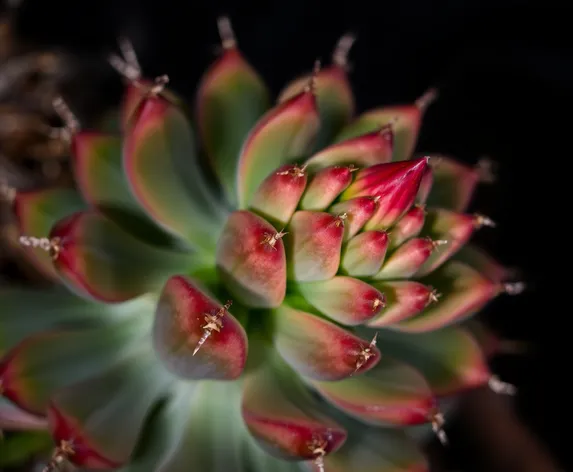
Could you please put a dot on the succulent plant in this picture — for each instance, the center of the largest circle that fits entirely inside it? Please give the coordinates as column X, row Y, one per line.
column 292, row 296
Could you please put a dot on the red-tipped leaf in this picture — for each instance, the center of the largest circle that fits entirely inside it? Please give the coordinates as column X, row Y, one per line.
column 364, row 254
column 358, row 210
column 325, row 186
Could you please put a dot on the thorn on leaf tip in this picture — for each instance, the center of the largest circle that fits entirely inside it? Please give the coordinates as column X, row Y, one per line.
column 438, row 421
column 515, row 288
column 296, row 171
column 213, row 322
column 482, row 220
column 159, row 84
column 270, row 240
column 51, row 246
column 500, row 387
column 311, row 86
column 427, row 99
column 226, row 33
column 129, row 54
column 340, row 54
column 317, row 447
column 365, row 354
column 378, row 302
column 340, row 219
column 434, row 296
column 60, row 454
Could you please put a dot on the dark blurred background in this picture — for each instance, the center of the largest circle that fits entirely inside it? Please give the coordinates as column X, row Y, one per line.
column 504, row 70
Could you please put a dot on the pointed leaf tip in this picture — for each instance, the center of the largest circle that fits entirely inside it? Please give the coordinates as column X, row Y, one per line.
column 196, row 337
column 364, row 254
column 284, row 419
column 251, row 260
column 320, row 350
column 230, row 100
column 278, row 195
column 344, row 299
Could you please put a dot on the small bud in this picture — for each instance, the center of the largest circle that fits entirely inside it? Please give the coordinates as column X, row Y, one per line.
column 501, row 387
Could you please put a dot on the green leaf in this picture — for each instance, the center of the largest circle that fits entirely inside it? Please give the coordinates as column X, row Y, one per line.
column 284, row 134
column 103, row 416
column 390, row 394
column 230, row 100
column 98, row 260
column 464, row 292
column 36, row 212
column 165, row 177
column 450, row 359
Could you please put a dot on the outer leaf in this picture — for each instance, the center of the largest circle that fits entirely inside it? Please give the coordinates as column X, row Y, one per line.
column 98, row 170
column 282, row 135
column 406, row 260
column 464, row 292
column 445, row 225
column 314, row 244
column 450, row 359
column 334, row 97
column 284, row 418
column 346, row 300
column 377, row 450
column 37, row 367
column 319, row 349
column 230, row 100
column 25, row 312
column 325, row 186
column 454, row 184
column 183, row 318
column 14, row 419
column 364, row 254
column 390, row 394
column 362, row 151
column 102, row 417
column 251, row 260
column 164, row 175
column 405, row 121
column 36, row 212
column 98, row 260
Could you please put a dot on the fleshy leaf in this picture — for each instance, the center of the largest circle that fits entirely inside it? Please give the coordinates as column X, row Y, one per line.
column 484, row 263
column 195, row 336
column 36, row 212
column 333, row 93
column 454, row 228
column 101, row 418
column 98, row 170
column 362, row 151
column 389, row 394
column 346, row 300
column 405, row 261
column 394, row 184
column 407, row 227
column 98, row 260
column 44, row 363
column 404, row 299
column 376, row 450
column 314, row 244
column 358, row 210
column 463, row 290
column 230, row 100
column 449, row 359
column 319, row 349
column 284, row 134
column 278, row 195
column 364, row 254
column 405, row 121
column 25, row 312
column 165, row 177
column 284, row 419
column 454, row 184
column 251, row 260
column 325, row 186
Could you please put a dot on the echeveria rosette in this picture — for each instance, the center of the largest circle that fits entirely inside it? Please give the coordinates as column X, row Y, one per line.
column 266, row 326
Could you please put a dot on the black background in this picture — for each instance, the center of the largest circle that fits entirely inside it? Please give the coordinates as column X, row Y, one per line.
column 505, row 76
